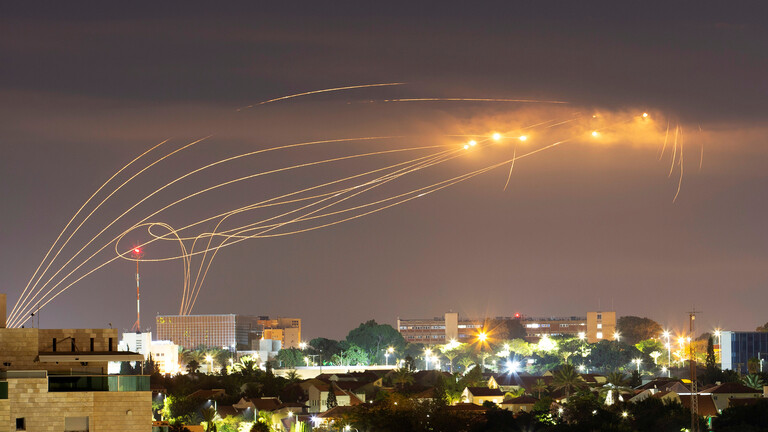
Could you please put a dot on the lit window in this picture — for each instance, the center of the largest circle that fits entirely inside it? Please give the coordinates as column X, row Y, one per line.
column 599, row 326
column 599, row 335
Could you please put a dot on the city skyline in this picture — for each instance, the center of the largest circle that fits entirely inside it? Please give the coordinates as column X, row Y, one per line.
column 582, row 228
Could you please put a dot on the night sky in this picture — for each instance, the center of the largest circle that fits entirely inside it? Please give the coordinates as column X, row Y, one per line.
column 86, row 87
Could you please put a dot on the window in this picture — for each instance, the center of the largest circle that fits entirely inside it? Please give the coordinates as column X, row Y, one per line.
column 54, row 345
column 599, row 316
column 599, row 326
column 92, row 344
column 599, row 335
column 75, row 424
column 21, row 424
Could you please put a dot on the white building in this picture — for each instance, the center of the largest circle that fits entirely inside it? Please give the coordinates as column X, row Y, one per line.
column 165, row 354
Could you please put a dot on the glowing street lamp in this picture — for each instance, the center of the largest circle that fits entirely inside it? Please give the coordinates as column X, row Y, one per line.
column 638, row 361
column 482, row 336
column 209, row 359
column 302, row 345
column 616, row 336
column 387, row 353
column 306, row 360
column 582, row 336
column 427, row 354
column 496, row 136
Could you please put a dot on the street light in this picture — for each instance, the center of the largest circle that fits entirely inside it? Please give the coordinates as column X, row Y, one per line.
column 387, row 353
column 669, row 353
column 638, row 361
column 209, row 359
column 427, row 354
column 306, row 360
column 582, row 336
column 302, row 345
column 616, row 336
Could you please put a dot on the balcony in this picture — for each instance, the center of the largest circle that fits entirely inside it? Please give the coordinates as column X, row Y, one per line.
column 92, row 383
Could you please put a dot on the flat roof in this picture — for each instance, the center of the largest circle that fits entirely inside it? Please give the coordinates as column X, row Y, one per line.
column 89, row 356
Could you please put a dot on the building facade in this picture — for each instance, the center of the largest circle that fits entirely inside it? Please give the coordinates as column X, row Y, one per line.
column 228, row 331
column 737, row 348
column 440, row 330
column 165, row 354
column 57, row 380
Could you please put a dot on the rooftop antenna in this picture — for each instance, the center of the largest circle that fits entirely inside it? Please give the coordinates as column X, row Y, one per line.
column 692, row 362
column 137, row 254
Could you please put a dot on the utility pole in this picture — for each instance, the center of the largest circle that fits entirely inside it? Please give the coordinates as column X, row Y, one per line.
column 694, row 385
column 137, row 254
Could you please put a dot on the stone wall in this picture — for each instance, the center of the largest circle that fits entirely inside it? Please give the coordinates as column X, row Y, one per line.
column 29, row 398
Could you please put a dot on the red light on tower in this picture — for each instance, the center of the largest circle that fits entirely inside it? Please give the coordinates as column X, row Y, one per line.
column 136, row 250
column 517, row 315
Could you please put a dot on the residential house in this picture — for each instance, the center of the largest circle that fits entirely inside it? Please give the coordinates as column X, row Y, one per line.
column 480, row 395
column 523, row 403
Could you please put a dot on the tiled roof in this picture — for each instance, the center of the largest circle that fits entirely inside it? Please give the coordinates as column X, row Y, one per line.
column 465, row 407
column 484, row 391
column 732, row 387
column 208, row 394
column 336, row 412
column 522, row 400
column 706, row 404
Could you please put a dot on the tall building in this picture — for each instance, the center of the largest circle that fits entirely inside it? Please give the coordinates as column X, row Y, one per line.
column 439, row 330
column 285, row 330
column 737, row 348
column 57, row 380
column 229, row 331
column 600, row 325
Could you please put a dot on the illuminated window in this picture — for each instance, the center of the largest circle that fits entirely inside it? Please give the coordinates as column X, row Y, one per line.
column 599, row 335
column 599, row 326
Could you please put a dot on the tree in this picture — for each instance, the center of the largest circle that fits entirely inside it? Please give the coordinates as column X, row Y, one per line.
column 506, row 329
column 633, row 329
column 612, row 355
column 753, row 365
column 290, row 357
column 754, row 381
column 710, row 361
column 330, row 402
column 328, row 347
column 402, row 378
column 374, row 338
column 539, row 386
column 209, row 417
column 566, row 378
column 762, row 328
column 193, row 366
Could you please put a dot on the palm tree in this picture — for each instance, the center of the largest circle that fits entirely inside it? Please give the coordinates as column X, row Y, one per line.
column 540, row 386
column 402, row 377
column 292, row 376
column 209, row 417
column 566, row 378
column 466, row 361
column 615, row 382
column 754, row 381
column 192, row 366
column 450, row 355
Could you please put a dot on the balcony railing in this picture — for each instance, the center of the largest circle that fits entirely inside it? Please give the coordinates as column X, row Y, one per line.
column 90, row 383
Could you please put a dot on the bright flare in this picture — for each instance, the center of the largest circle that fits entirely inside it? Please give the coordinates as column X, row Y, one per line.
column 523, row 138
column 472, row 142
column 595, row 134
column 496, row 136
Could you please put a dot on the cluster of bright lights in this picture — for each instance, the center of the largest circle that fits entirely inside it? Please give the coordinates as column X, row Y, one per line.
column 494, row 136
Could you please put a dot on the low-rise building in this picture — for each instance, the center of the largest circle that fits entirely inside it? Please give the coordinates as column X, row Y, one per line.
column 480, row 395
column 57, row 380
column 594, row 327
column 165, row 354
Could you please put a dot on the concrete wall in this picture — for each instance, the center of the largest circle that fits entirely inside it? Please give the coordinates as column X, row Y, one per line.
column 29, row 398
column 451, row 326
